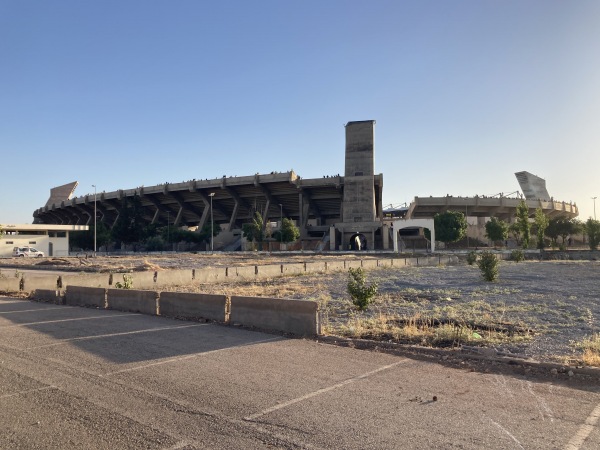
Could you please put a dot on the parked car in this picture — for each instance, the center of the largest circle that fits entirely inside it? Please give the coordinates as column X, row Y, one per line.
column 27, row 251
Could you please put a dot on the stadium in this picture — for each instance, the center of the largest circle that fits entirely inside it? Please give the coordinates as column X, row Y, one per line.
column 335, row 212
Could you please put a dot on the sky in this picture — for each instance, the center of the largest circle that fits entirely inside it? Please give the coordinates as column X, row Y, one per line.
column 125, row 93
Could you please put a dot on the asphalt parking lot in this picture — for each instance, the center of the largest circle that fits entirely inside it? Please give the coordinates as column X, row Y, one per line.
column 85, row 378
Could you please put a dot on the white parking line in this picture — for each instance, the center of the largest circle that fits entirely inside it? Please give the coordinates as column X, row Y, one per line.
column 584, row 431
column 99, row 336
column 69, row 320
column 30, row 310
column 190, row 356
column 322, row 391
column 14, row 394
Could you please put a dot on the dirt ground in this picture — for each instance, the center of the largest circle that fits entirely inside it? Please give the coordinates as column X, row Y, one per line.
column 543, row 310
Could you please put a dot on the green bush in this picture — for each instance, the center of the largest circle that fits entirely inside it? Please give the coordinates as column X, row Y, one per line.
column 517, row 255
column 361, row 294
column 488, row 264
column 471, row 257
column 126, row 284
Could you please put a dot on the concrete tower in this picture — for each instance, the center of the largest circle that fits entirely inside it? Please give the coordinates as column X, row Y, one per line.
column 359, row 186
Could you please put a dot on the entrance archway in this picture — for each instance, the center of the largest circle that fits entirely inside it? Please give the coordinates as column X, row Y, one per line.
column 358, row 242
column 422, row 223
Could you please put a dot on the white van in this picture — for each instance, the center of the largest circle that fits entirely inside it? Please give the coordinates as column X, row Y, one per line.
column 27, row 251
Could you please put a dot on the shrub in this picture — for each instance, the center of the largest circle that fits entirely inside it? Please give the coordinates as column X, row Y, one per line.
column 126, row 284
column 488, row 264
column 361, row 294
column 517, row 255
column 471, row 257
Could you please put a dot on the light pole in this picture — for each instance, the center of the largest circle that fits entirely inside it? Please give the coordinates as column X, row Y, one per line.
column 95, row 215
column 168, row 230
column 280, row 226
column 594, row 198
column 212, row 224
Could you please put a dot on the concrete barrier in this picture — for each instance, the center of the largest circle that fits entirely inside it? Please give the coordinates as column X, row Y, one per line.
column 144, row 302
column 316, row 267
column 31, row 284
column 85, row 296
column 209, row 275
column 270, row 270
column 47, row 296
column 399, row 262
column 294, row 268
column 298, row 317
column 352, row 263
column 179, row 277
column 193, row 306
column 140, row 280
column 335, row 266
column 83, row 279
column 10, row 284
column 369, row 264
column 384, row 263
column 243, row 272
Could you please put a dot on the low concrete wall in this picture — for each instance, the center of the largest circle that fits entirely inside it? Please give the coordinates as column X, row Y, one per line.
column 34, row 283
column 141, row 280
column 336, row 266
column 243, row 272
column 144, row 302
column 269, row 271
column 294, row 268
column 315, row 267
column 89, row 280
column 369, row 264
column 11, row 284
column 193, row 306
column 177, row 277
column 85, row 296
column 291, row 316
column 209, row 275
column 47, row 296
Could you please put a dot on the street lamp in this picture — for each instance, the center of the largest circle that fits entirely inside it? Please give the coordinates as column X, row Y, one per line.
column 594, row 198
column 280, row 225
column 212, row 224
column 95, row 215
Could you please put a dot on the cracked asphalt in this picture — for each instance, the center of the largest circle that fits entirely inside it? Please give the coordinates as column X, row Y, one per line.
column 98, row 379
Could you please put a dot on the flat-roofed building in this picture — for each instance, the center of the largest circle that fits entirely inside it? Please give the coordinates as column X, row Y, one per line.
column 53, row 240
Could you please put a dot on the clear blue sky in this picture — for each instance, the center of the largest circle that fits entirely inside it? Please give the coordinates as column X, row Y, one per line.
column 465, row 93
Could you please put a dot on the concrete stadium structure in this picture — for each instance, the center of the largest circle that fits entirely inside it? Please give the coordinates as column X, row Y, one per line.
column 338, row 212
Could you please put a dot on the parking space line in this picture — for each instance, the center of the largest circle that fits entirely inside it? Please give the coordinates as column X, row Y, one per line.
column 584, row 431
column 30, row 310
column 14, row 394
column 125, row 333
column 69, row 320
column 323, row 390
column 190, row 356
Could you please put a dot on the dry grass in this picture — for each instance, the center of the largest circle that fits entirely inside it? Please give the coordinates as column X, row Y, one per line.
column 591, row 350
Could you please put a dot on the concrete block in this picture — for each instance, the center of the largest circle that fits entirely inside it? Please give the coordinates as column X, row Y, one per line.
column 294, row 268
column 369, row 263
column 244, row 272
column 83, row 279
column 352, row 263
column 336, row 266
column 208, row 275
column 316, row 267
column 32, row 283
column 85, row 296
column 193, row 306
column 10, row 284
column 47, row 296
column 141, row 280
column 399, row 262
column 290, row 316
column 180, row 277
column 269, row 270
column 384, row 263
column 410, row 262
column 144, row 302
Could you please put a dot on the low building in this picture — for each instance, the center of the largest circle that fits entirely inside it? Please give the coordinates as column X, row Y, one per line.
column 53, row 240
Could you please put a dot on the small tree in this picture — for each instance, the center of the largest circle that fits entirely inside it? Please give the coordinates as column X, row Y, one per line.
column 592, row 228
column 361, row 294
column 523, row 223
column 450, row 226
column 541, row 223
column 562, row 227
column 254, row 231
column 488, row 264
column 289, row 232
column 496, row 230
